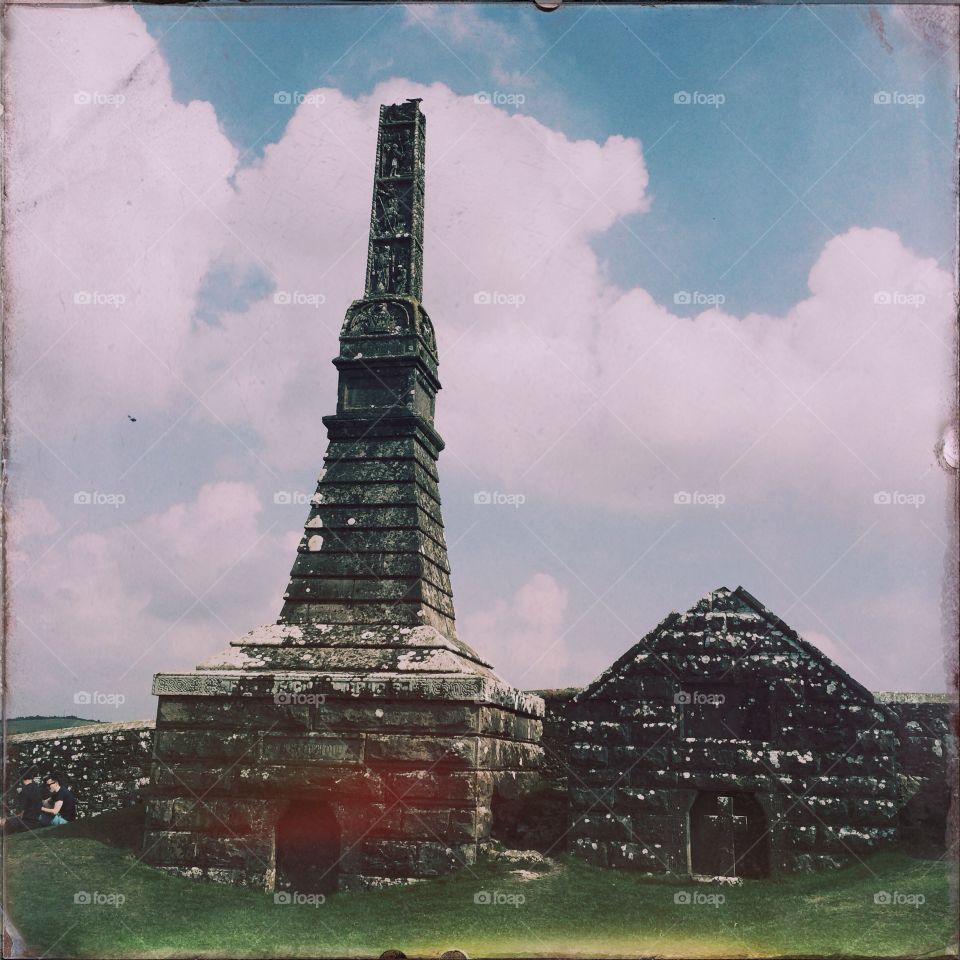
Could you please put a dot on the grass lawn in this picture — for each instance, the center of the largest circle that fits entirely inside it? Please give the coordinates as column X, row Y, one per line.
column 570, row 910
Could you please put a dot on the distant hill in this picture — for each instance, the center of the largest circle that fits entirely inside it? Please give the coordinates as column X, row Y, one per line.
column 33, row 724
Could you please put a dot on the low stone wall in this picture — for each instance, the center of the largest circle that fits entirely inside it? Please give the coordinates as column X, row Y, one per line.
column 556, row 733
column 105, row 764
column 926, row 730
column 109, row 764
column 926, row 727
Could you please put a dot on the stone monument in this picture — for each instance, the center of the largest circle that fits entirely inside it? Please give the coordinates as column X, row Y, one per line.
column 357, row 741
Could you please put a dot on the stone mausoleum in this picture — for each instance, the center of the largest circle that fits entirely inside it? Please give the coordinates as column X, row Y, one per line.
column 357, row 740
column 723, row 744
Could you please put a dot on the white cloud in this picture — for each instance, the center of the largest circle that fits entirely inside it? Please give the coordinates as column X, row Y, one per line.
column 31, row 518
column 576, row 393
column 114, row 198
column 523, row 636
column 107, row 607
column 577, row 390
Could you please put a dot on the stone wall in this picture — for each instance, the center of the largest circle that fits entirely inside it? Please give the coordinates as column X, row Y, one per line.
column 555, row 739
column 539, row 818
column 926, row 728
column 108, row 763
column 924, row 725
column 105, row 764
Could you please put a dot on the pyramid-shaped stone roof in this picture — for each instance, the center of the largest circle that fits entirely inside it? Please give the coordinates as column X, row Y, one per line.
column 727, row 634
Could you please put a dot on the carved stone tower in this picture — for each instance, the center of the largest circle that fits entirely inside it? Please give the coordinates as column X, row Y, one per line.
column 357, row 740
column 374, row 551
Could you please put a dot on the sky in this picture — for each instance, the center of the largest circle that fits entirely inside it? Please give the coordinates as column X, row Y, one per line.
column 719, row 246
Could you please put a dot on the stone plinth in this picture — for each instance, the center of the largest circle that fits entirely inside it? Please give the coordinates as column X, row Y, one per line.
column 410, row 765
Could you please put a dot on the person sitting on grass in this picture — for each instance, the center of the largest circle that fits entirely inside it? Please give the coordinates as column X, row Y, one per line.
column 31, row 797
column 60, row 807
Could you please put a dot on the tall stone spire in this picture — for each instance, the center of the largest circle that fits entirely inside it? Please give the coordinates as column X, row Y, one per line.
column 357, row 740
column 373, row 550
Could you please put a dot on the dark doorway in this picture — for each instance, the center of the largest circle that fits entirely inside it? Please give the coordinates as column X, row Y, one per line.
column 536, row 820
column 308, row 848
column 728, row 836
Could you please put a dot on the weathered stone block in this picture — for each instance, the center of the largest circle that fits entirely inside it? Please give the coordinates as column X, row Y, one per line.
column 636, row 856
column 505, row 723
column 398, row 717
column 169, row 846
column 313, row 748
column 499, row 754
column 587, row 798
column 247, row 853
column 592, row 851
column 660, row 831
column 417, row 785
column 450, row 751
column 510, row 784
column 588, row 753
column 602, row 826
column 871, row 811
column 193, row 779
column 219, row 746
column 802, row 838
column 228, row 714
column 641, row 776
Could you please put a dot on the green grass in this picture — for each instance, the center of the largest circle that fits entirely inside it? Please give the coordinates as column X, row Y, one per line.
column 36, row 724
column 572, row 910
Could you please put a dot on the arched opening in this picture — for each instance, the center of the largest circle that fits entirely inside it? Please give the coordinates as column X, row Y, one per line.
column 536, row 819
column 728, row 836
column 308, row 848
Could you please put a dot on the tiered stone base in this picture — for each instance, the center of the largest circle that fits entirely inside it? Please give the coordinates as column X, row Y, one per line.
column 409, row 766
